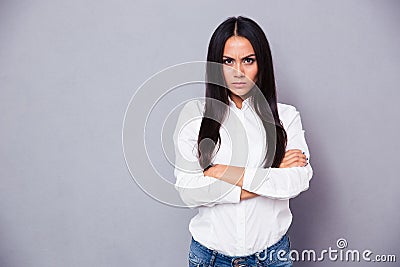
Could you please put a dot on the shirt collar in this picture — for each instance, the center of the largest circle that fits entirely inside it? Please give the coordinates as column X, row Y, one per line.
column 245, row 103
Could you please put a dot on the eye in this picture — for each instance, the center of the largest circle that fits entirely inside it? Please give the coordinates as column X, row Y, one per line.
column 228, row 61
column 249, row 60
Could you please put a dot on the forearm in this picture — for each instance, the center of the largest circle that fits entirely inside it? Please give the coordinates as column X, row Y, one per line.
column 230, row 174
column 233, row 175
column 280, row 183
column 247, row 195
column 198, row 190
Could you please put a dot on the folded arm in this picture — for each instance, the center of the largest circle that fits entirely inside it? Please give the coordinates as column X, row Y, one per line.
column 231, row 184
column 194, row 187
column 283, row 183
column 286, row 182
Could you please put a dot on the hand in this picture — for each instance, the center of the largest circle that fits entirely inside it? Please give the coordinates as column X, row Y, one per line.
column 294, row 158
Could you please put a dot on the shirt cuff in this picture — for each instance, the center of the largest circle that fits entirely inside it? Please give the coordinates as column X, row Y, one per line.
column 249, row 178
column 233, row 195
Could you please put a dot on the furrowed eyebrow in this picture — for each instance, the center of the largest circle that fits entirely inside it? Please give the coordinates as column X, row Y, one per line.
column 241, row 58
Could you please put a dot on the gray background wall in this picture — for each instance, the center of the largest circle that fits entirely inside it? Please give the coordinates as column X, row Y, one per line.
column 69, row 68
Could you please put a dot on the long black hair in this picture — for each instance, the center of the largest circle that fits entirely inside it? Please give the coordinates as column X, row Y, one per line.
column 216, row 90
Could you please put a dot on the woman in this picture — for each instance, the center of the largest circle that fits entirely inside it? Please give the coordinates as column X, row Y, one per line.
column 240, row 155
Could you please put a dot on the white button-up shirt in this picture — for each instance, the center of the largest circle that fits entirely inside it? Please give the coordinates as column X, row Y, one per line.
column 224, row 222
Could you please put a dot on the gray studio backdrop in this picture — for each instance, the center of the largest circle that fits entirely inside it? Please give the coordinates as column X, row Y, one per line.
column 69, row 68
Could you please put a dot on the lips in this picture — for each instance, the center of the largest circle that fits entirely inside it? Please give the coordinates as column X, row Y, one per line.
column 239, row 84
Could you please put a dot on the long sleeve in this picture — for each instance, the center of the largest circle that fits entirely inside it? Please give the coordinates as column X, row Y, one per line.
column 194, row 188
column 283, row 183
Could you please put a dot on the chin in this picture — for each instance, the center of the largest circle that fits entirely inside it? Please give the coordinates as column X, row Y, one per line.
column 240, row 92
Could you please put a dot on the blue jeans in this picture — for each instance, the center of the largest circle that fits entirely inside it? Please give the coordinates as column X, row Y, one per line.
column 274, row 256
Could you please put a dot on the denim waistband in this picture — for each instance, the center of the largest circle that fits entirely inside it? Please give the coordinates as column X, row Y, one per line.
column 255, row 257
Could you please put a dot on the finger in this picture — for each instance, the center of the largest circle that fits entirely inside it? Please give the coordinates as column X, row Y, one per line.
column 294, row 152
column 295, row 162
column 295, row 155
column 291, row 151
column 292, row 161
column 302, row 163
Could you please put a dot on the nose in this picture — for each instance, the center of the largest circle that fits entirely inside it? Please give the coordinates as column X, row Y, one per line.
column 239, row 71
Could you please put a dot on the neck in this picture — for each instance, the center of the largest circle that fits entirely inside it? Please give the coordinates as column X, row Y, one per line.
column 238, row 100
